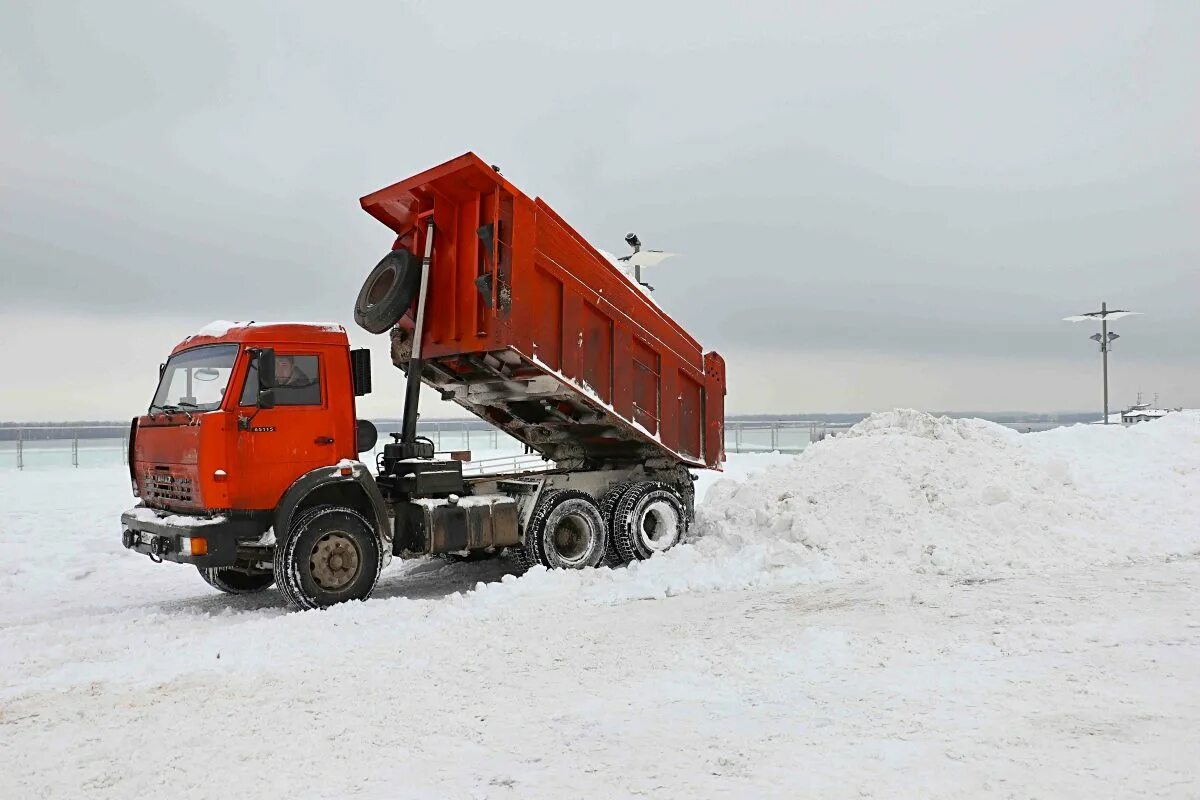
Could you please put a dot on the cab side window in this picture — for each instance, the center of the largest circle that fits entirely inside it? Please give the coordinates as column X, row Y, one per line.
column 297, row 381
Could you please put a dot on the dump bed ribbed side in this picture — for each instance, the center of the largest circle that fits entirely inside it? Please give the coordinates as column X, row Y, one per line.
column 533, row 330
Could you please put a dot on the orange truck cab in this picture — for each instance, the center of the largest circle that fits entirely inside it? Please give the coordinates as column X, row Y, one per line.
column 246, row 460
column 223, row 456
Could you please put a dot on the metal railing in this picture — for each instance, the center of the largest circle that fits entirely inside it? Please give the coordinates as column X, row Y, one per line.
column 25, row 446
column 53, row 445
column 782, row 435
column 75, row 439
column 43, row 445
column 100, row 444
column 446, row 434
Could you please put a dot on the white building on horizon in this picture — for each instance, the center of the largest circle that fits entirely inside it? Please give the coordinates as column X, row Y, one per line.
column 1137, row 413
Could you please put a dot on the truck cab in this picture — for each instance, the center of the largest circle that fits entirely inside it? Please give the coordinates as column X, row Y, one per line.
column 245, row 421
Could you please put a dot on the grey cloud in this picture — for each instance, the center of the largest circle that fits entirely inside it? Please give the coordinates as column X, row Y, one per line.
column 932, row 178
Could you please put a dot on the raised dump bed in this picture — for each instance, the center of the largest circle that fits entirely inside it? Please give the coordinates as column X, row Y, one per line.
column 532, row 329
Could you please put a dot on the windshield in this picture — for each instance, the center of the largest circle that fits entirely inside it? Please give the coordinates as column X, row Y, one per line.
column 195, row 380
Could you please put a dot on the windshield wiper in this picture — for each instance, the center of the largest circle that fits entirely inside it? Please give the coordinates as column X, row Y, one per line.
column 170, row 409
column 164, row 408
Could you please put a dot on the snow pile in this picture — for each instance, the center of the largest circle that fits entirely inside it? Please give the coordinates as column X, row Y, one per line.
column 904, row 491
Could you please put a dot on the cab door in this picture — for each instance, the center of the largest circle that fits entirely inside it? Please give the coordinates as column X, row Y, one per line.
column 278, row 445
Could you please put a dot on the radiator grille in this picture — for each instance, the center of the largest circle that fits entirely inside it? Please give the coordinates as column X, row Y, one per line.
column 160, row 485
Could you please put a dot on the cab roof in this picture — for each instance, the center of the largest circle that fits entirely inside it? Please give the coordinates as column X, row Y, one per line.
column 265, row 333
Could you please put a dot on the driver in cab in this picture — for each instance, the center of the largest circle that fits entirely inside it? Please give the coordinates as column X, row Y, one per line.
column 293, row 387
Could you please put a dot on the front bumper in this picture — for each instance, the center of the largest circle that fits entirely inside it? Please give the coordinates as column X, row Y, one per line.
column 169, row 537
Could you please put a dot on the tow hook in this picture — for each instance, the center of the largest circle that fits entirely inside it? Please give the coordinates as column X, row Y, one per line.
column 159, row 545
column 127, row 538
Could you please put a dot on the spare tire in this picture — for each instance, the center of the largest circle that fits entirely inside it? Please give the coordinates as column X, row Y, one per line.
column 388, row 291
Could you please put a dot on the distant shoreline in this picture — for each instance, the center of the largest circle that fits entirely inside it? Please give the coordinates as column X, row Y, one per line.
column 8, row 430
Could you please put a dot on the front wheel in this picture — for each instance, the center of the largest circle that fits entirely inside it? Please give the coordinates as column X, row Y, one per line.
column 330, row 555
column 232, row 580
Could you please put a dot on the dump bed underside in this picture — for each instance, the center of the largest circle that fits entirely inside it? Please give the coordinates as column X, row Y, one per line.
column 563, row 421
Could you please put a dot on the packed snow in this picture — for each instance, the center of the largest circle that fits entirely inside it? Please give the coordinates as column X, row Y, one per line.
column 174, row 520
column 919, row 607
column 220, row 327
column 907, row 492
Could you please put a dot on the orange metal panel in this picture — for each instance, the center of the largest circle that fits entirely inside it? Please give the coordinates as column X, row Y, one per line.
column 690, row 416
column 623, row 372
column 646, row 384
column 596, row 352
column 572, row 332
column 546, row 327
column 536, row 299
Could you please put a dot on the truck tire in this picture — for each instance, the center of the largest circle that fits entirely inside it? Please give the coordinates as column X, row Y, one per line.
column 649, row 518
column 608, row 505
column 388, row 291
column 329, row 555
column 520, row 558
column 236, row 581
column 566, row 531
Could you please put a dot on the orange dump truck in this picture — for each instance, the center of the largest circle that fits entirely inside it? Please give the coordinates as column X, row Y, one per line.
column 246, row 462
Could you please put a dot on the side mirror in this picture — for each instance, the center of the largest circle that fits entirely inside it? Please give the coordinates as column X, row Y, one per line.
column 360, row 371
column 265, row 361
column 161, row 369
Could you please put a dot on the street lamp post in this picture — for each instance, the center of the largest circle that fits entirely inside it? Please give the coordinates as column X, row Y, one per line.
column 1103, row 337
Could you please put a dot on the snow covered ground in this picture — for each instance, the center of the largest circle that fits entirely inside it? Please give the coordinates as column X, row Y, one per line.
column 919, row 608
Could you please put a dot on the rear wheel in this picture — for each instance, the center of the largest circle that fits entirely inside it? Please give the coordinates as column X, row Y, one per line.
column 232, row 580
column 330, row 555
column 566, row 531
column 649, row 518
column 608, row 505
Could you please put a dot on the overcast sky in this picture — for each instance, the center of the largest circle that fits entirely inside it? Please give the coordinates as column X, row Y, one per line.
column 880, row 204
